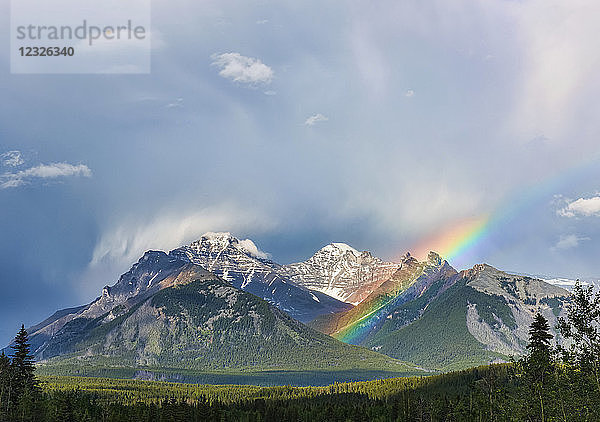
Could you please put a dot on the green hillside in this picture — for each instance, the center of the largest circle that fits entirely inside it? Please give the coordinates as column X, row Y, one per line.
column 202, row 326
column 446, row 320
column 440, row 338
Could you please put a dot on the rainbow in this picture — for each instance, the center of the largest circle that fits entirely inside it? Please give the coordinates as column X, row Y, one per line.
column 358, row 329
column 463, row 240
column 455, row 240
column 468, row 239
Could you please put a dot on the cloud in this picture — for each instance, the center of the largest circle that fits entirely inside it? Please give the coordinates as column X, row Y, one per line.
column 250, row 247
column 569, row 241
column 558, row 60
column 124, row 243
column 409, row 93
column 12, row 158
column 371, row 58
column 246, row 70
column 178, row 103
column 246, row 245
column 312, row 120
column 582, row 207
column 43, row 171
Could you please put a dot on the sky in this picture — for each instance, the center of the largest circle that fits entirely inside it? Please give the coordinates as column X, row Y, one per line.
column 296, row 124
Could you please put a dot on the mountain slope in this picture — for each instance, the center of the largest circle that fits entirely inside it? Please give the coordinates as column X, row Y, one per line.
column 191, row 320
column 210, row 325
column 342, row 272
column 153, row 271
column 435, row 317
column 156, row 270
column 241, row 263
column 406, row 284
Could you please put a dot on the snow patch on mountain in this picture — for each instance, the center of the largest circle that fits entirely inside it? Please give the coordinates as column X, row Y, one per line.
column 243, row 264
column 343, row 272
column 340, row 248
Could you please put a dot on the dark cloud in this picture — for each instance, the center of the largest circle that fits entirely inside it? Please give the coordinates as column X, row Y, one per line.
column 182, row 149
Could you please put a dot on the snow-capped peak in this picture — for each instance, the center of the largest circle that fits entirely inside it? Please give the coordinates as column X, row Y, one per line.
column 224, row 239
column 341, row 271
column 340, row 248
column 217, row 236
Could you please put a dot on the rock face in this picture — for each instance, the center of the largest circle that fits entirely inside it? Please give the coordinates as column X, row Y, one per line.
column 154, row 270
column 246, row 267
column 408, row 283
column 429, row 314
column 524, row 296
column 341, row 271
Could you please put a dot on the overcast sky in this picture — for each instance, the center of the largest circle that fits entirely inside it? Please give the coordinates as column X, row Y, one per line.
column 295, row 124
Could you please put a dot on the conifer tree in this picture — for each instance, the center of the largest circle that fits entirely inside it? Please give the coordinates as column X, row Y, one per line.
column 22, row 362
column 4, row 362
column 539, row 363
column 540, row 348
column 6, row 375
column 582, row 327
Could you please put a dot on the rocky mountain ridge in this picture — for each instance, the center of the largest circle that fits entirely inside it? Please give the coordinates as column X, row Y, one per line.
column 168, row 314
column 424, row 312
column 342, row 272
column 246, row 267
column 432, row 315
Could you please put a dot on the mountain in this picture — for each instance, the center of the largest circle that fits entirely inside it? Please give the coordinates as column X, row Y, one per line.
column 246, row 267
column 201, row 307
column 341, row 271
column 430, row 314
column 170, row 314
column 154, row 271
column 409, row 282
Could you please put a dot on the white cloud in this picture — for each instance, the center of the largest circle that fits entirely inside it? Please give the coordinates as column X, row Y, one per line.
column 178, row 103
column 238, row 68
column 409, row 93
column 250, row 247
column 12, row 158
column 582, row 207
column 316, row 118
column 123, row 244
column 43, row 171
column 569, row 241
column 262, row 22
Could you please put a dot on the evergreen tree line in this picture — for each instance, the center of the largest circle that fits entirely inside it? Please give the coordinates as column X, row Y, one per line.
column 550, row 383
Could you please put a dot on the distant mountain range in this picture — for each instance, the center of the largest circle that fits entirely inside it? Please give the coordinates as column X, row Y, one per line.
column 567, row 283
column 221, row 304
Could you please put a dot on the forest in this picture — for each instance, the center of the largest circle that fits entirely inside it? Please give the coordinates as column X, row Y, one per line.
column 549, row 383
